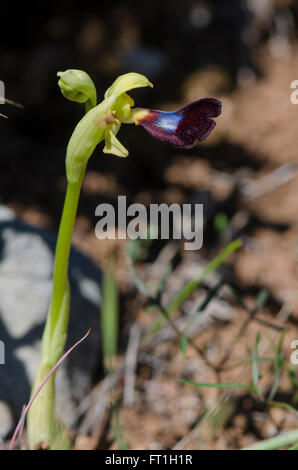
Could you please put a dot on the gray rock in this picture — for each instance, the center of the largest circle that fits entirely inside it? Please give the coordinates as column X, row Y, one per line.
column 26, row 268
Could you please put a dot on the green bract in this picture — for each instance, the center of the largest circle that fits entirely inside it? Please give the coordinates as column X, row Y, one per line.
column 102, row 122
column 88, row 133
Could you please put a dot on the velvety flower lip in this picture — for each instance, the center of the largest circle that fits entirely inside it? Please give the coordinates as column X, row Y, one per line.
column 184, row 127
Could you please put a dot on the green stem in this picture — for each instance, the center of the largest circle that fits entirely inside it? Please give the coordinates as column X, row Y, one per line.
column 64, row 244
column 273, row 443
column 60, row 296
column 42, row 426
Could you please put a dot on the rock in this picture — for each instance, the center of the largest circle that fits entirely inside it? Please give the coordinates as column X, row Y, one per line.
column 26, row 268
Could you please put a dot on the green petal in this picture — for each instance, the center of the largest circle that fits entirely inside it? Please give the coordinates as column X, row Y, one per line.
column 123, row 106
column 113, row 146
column 127, row 82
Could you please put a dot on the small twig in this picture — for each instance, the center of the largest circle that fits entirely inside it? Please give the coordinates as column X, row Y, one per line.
column 131, row 364
column 99, row 396
column 251, row 315
column 14, row 103
column 179, row 334
column 253, row 189
column 28, row 406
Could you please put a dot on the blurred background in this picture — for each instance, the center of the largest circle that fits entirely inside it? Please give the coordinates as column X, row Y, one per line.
column 246, row 54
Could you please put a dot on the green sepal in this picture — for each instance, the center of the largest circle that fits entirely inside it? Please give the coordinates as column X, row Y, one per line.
column 127, row 82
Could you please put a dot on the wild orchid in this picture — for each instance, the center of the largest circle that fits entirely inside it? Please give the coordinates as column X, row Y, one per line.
column 102, row 122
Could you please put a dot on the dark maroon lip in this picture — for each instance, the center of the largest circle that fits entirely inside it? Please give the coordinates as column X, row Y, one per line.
column 184, row 127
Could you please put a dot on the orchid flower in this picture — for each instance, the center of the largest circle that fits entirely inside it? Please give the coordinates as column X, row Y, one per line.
column 182, row 128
